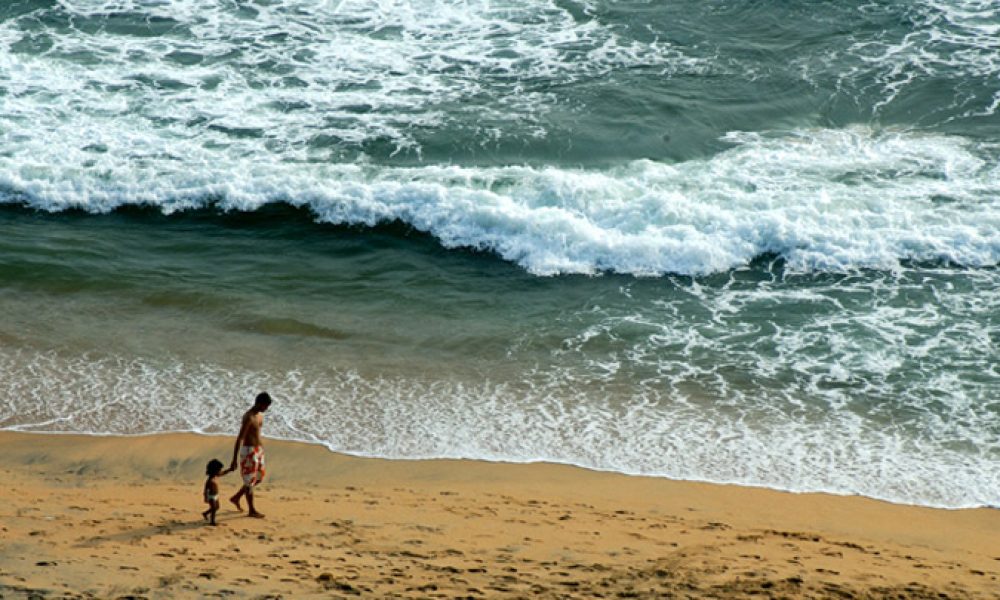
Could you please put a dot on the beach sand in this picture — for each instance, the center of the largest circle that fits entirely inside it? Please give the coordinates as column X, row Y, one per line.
column 120, row 517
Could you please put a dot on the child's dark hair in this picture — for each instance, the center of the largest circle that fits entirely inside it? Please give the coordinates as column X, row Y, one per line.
column 214, row 467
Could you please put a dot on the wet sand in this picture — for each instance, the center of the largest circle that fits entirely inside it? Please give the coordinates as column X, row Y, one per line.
column 120, row 517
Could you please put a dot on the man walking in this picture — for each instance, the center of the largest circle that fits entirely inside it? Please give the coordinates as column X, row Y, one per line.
column 250, row 453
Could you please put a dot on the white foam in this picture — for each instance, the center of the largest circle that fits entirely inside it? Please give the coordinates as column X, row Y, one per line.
column 299, row 72
column 950, row 40
column 826, row 200
column 655, row 431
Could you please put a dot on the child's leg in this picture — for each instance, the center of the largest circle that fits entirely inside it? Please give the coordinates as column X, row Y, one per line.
column 211, row 511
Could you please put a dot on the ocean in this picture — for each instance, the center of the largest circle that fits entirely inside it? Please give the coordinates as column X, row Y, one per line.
column 738, row 242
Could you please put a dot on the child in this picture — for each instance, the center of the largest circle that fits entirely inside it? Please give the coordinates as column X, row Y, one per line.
column 214, row 470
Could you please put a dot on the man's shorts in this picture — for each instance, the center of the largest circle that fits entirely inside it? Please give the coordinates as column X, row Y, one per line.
column 252, row 465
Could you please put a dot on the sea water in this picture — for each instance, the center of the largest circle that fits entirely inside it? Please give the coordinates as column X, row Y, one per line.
column 737, row 242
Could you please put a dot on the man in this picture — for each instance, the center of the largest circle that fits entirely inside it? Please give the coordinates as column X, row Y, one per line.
column 250, row 453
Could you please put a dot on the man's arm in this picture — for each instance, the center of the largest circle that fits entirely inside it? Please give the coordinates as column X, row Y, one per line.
column 239, row 440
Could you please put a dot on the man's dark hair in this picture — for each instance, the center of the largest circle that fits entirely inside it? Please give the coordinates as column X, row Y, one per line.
column 263, row 399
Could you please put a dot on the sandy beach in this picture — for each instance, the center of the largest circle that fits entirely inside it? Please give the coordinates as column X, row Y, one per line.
column 119, row 517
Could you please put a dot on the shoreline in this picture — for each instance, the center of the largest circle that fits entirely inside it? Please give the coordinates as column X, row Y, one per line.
column 97, row 516
column 497, row 461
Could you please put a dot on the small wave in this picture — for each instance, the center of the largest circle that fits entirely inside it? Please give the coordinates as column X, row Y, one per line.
column 823, row 200
column 291, row 327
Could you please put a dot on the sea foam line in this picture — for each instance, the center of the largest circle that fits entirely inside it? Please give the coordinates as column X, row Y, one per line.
column 409, row 419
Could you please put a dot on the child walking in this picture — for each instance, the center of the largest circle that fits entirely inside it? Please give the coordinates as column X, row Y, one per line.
column 214, row 470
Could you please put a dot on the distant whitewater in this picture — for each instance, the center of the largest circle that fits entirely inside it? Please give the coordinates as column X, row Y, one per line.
column 750, row 243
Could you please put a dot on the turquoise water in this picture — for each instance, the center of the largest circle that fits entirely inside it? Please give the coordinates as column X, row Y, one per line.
column 752, row 243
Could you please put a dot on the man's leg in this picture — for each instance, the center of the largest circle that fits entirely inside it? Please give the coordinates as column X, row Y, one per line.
column 253, row 511
column 236, row 499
